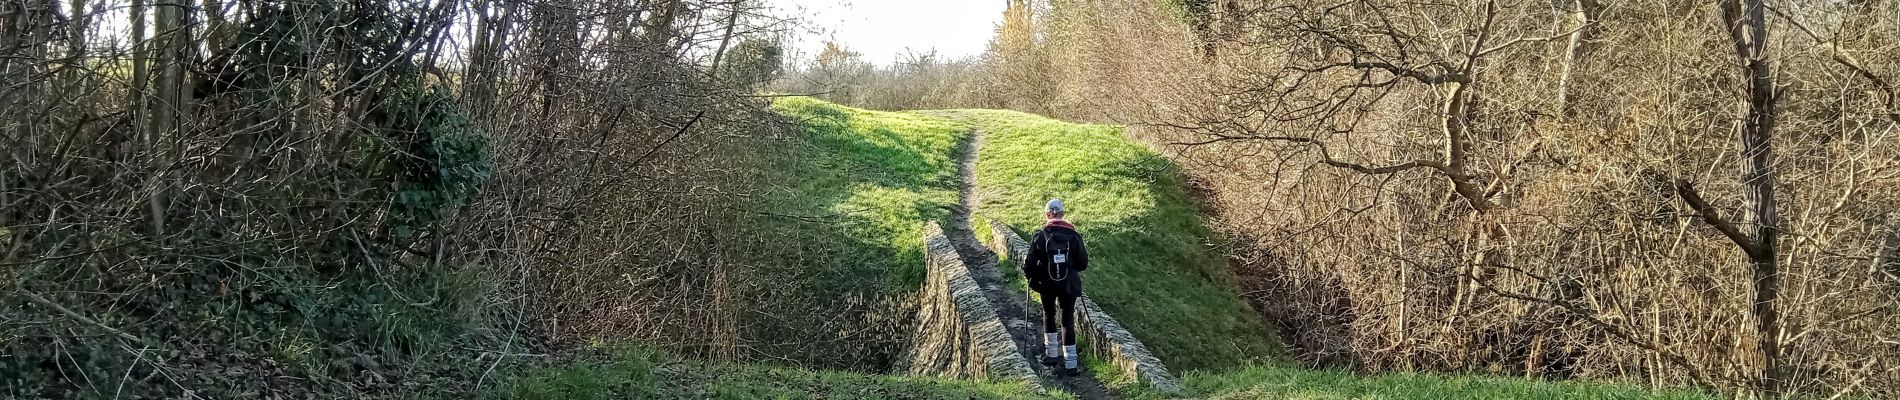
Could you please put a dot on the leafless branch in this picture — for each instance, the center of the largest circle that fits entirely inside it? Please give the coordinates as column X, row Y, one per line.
column 1713, row 217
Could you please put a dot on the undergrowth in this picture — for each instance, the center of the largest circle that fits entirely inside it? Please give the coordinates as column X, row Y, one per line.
column 291, row 284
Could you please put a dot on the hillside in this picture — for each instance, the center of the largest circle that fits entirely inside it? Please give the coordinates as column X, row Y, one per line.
column 833, row 230
column 1156, row 267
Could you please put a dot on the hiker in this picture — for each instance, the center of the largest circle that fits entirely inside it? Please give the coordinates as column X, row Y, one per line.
column 1054, row 270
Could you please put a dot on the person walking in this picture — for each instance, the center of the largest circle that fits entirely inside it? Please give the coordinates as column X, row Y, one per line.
column 1054, row 270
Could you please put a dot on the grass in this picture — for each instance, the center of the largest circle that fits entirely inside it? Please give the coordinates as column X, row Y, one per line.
column 635, row 373
column 884, row 173
column 836, row 230
column 1151, row 263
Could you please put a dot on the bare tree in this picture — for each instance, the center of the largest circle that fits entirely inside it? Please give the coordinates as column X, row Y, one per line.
column 1746, row 24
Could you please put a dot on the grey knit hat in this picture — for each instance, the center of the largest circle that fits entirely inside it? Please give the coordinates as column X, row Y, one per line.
column 1055, row 206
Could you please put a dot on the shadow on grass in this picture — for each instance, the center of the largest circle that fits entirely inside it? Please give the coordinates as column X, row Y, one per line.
column 835, row 239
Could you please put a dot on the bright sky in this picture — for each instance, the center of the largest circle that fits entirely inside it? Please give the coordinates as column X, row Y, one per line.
column 883, row 29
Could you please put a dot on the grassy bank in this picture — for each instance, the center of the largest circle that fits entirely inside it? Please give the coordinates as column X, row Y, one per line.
column 834, row 230
column 873, row 175
column 1151, row 265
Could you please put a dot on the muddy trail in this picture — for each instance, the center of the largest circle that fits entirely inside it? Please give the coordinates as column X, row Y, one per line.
column 1013, row 305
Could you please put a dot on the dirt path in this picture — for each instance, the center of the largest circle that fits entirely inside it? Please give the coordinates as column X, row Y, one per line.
column 1012, row 304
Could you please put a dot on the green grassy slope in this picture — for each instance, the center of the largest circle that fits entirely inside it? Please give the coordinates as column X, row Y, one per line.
column 1151, row 266
column 881, row 173
column 835, row 230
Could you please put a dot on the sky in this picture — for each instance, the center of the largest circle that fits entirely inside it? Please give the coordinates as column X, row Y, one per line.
column 883, row 29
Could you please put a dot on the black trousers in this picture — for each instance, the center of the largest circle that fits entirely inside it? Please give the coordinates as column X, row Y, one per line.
column 1050, row 303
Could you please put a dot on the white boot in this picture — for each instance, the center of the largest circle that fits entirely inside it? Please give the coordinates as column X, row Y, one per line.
column 1069, row 359
column 1051, row 349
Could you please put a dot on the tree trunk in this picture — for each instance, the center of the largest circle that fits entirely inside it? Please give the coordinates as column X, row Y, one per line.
column 74, row 80
column 732, row 21
column 142, row 109
column 1586, row 18
column 476, row 88
column 171, row 49
column 1456, row 122
column 494, row 25
column 656, row 37
column 25, row 31
column 217, row 31
column 1748, row 29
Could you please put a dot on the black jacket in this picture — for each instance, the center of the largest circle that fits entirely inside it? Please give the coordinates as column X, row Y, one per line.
column 1037, row 268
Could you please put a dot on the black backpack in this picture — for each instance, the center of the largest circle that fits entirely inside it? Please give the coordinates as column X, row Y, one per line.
column 1060, row 249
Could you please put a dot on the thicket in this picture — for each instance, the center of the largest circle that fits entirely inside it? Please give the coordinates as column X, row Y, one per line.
column 1673, row 193
column 278, row 198
column 917, row 80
